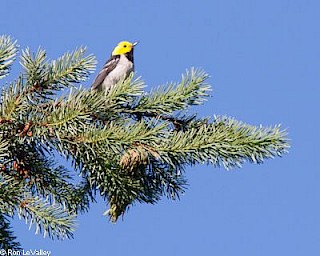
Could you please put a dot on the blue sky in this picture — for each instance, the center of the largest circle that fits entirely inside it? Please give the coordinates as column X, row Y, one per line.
column 264, row 61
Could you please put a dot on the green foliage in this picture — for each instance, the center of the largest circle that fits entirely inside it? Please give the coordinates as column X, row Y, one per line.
column 50, row 218
column 126, row 145
column 43, row 78
column 7, row 239
column 8, row 51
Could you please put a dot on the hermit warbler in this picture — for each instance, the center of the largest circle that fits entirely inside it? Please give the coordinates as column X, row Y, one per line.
column 118, row 67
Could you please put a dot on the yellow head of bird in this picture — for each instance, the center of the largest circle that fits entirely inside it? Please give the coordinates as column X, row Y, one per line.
column 123, row 48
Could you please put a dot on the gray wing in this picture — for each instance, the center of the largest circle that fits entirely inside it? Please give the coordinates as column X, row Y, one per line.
column 107, row 68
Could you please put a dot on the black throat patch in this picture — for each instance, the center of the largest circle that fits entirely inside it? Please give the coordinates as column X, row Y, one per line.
column 129, row 55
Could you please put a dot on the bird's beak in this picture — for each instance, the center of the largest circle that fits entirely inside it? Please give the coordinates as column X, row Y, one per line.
column 135, row 43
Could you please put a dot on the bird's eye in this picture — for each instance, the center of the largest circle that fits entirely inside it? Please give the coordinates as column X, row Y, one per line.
column 125, row 46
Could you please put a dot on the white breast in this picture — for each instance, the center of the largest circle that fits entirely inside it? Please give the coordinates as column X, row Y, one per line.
column 122, row 70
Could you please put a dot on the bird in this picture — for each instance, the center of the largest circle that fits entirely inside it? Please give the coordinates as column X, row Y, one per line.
column 119, row 66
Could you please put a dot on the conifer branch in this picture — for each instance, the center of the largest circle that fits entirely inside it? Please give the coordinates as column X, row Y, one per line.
column 192, row 90
column 224, row 142
column 11, row 191
column 8, row 51
column 128, row 145
column 44, row 78
column 54, row 184
column 69, row 69
column 49, row 219
column 7, row 238
column 3, row 148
